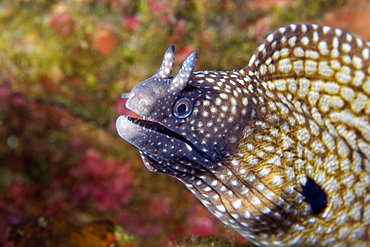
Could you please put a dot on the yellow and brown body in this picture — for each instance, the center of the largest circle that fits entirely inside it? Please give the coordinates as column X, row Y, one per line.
column 279, row 150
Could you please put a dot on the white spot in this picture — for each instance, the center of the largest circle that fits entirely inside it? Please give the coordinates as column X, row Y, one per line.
column 305, row 40
column 312, row 54
column 270, row 38
column 366, row 86
column 284, row 52
column 359, row 78
column 346, row 59
column 315, row 37
column 332, row 87
column 357, row 62
column 304, row 28
column 235, row 162
column 265, row 171
column 323, row 47
column 293, row 27
column 298, row 52
column 326, row 29
column 324, row 69
column 292, row 41
column 251, row 178
column 310, row 66
column 216, row 197
column 247, row 214
column 234, row 182
column 210, row 79
column 335, row 64
column 298, row 66
column 252, row 60
column 224, row 108
column 285, row 65
column 277, row 180
column 344, row 75
column 207, row 189
column 255, row 200
column 303, row 135
column 261, row 47
column 366, row 53
column 237, row 203
column 335, row 42
column 221, row 208
column 346, row 47
column 224, row 96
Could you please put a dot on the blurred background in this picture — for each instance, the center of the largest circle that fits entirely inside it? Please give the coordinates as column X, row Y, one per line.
column 63, row 65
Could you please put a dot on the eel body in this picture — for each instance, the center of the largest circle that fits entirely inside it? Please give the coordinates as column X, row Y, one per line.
column 278, row 150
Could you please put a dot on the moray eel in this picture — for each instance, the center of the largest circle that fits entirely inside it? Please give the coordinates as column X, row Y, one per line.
column 278, row 150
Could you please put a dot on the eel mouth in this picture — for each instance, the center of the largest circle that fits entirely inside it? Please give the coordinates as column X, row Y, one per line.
column 155, row 126
column 159, row 128
column 148, row 123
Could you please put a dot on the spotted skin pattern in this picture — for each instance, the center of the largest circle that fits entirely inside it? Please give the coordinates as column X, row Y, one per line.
column 279, row 150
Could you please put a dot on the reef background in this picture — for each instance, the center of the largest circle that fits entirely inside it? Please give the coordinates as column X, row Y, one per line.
column 63, row 66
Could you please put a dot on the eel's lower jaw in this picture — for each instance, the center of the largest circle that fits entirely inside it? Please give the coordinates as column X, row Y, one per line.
column 127, row 127
column 155, row 126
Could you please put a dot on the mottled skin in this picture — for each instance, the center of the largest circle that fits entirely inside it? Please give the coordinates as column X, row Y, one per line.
column 279, row 150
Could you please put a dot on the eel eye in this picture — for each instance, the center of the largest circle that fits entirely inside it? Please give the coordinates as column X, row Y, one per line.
column 183, row 107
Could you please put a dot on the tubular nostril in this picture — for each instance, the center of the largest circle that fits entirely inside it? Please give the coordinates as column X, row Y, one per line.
column 127, row 95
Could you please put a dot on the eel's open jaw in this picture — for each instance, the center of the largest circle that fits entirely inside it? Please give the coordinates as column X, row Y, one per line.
column 132, row 121
column 153, row 138
column 131, row 127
